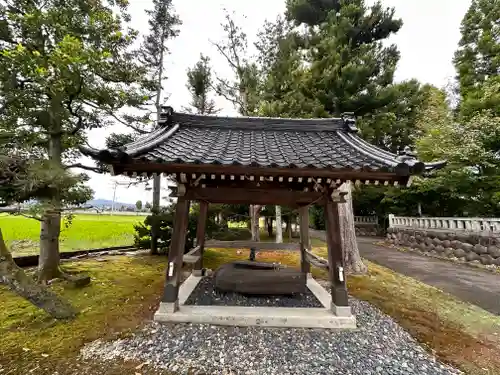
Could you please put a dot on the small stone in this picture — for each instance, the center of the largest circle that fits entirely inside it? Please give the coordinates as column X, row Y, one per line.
column 494, row 251
column 466, row 246
column 479, row 249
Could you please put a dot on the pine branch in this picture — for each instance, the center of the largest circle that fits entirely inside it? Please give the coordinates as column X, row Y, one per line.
column 17, row 211
column 219, row 91
column 85, row 167
column 223, row 53
column 111, row 114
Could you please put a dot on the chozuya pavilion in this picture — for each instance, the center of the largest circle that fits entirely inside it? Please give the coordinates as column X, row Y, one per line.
column 265, row 161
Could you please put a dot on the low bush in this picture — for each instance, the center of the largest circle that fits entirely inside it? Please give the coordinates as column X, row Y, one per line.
column 142, row 235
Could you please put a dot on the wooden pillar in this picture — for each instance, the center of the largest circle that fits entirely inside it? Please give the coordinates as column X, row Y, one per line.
column 177, row 245
column 200, row 236
column 305, row 243
column 336, row 258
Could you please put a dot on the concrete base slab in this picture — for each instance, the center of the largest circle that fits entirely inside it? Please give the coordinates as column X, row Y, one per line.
column 197, row 272
column 258, row 316
column 168, row 307
column 187, row 288
column 341, row 310
column 325, row 317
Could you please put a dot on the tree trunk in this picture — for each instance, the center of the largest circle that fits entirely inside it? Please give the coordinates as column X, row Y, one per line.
column 155, row 211
column 50, row 228
column 155, row 227
column 269, row 225
column 279, row 226
column 254, row 217
column 17, row 281
column 48, row 262
column 352, row 259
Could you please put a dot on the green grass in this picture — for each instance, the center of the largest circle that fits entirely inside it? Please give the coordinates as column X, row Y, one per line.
column 86, row 232
column 125, row 291
column 122, row 296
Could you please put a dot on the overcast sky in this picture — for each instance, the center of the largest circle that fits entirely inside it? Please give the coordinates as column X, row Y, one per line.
column 427, row 41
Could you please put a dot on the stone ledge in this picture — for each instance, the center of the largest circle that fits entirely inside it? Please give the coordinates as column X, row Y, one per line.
column 341, row 311
column 328, row 317
column 279, row 317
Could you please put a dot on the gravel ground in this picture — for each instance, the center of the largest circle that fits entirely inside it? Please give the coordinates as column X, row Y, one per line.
column 206, row 294
column 378, row 346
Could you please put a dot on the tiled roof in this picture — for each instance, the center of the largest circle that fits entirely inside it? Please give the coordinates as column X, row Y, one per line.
column 260, row 142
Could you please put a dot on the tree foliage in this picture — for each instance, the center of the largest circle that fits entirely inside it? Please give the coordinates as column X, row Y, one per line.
column 65, row 67
column 200, row 85
column 477, row 59
column 242, row 88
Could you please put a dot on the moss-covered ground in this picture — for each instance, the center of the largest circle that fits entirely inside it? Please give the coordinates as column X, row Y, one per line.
column 125, row 290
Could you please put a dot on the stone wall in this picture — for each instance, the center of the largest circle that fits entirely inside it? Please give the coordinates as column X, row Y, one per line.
column 366, row 226
column 367, row 230
column 466, row 246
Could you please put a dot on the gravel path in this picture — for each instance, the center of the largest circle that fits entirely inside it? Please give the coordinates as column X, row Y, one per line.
column 378, row 346
column 206, row 294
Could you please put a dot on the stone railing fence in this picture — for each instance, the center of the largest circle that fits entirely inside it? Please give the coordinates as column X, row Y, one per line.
column 365, row 220
column 466, row 239
column 448, row 224
column 366, row 226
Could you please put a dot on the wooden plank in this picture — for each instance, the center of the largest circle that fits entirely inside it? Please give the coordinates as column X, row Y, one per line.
column 200, row 233
column 191, row 259
column 193, row 251
column 256, row 196
column 304, row 239
column 316, row 261
column 345, row 174
column 335, row 254
column 262, row 246
column 174, row 268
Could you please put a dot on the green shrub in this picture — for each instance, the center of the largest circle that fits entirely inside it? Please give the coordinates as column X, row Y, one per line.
column 142, row 235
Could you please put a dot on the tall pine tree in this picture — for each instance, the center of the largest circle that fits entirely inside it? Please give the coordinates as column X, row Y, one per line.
column 163, row 26
column 200, row 85
column 349, row 70
column 66, row 67
column 477, row 59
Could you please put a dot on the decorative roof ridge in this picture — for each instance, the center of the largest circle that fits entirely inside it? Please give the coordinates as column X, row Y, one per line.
column 357, row 143
column 151, row 141
column 329, row 124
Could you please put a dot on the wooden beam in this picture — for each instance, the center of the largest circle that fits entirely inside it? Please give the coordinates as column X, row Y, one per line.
column 316, row 261
column 259, row 196
column 200, row 234
column 335, row 254
column 344, row 174
column 259, row 246
column 174, row 269
column 193, row 251
column 305, row 242
column 191, row 259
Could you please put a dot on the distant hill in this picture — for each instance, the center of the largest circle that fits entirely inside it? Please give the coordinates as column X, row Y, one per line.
column 107, row 203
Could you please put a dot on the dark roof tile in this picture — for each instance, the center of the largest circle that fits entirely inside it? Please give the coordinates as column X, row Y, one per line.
column 264, row 142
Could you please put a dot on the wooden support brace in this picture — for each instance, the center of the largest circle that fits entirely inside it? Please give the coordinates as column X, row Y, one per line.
column 316, row 261
column 259, row 246
column 192, row 256
column 191, row 259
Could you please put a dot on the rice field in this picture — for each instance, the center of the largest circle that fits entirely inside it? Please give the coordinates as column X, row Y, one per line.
column 87, row 231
